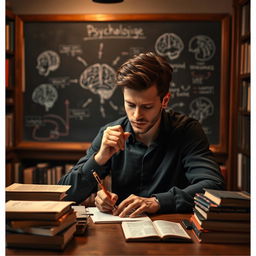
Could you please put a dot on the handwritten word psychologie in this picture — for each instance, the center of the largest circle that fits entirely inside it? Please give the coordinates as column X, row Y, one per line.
column 110, row 31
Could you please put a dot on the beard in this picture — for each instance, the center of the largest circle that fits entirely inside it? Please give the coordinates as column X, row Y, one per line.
column 143, row 126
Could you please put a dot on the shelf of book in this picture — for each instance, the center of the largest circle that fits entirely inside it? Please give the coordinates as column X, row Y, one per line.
column 240, row 108
column 38, row 172
column 10, row 93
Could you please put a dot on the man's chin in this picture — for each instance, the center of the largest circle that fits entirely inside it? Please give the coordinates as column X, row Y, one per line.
column 139, row 130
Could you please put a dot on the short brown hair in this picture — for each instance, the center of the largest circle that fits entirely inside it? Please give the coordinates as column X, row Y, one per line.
column 144, row 70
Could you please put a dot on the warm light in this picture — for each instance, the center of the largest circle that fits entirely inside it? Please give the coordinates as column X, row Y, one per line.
column 107, row 1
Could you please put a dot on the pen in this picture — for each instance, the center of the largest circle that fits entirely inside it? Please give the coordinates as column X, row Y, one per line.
column 102, row 186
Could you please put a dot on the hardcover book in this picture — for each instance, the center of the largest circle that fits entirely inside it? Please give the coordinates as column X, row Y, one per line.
column 217, row 208
column 18, row 191
column 241, row 216
column 67, row 217
column 204, row 236
column 219, row 225
column 228, row 198
column 36, row 210
column 58, row 241
column 43, row 229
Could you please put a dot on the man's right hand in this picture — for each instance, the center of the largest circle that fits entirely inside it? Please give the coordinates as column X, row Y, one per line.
column 105, row 203
column 113, row 141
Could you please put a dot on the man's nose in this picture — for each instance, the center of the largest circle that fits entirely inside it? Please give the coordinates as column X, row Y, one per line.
column 137, row 113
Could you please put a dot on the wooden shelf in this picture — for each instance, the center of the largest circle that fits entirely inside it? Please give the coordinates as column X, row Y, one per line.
column 239, row 136
column 9, row 14
column 246, row 77
column 244, row 113
column 10, row 154
column 9, row 102
column 245, row 38
column 9, row 53
column 245, row 152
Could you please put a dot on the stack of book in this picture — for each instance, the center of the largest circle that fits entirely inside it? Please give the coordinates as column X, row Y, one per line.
column 39, row 224
column 221, row 217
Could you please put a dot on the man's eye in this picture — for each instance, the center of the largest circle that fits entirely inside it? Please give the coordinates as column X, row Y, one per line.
column 131, row 106
column 147, row 107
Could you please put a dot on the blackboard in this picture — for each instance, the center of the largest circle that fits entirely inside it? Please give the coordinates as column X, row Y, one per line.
column 69, row 88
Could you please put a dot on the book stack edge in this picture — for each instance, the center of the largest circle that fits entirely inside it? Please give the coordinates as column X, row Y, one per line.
column 221, row 216
column 39, row 224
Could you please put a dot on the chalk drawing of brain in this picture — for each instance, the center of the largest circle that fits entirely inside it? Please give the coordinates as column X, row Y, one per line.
column 99, row 79
column 47, row 61
column 45, row 95
column 201, row 108
column 170, row 45
column 202, row 46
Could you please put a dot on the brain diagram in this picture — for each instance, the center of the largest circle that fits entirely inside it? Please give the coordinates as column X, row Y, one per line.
column 47, row 61
column 99, row 79
column 45, row 95
column 201, row 108
column 203, row 47
column 170, row 45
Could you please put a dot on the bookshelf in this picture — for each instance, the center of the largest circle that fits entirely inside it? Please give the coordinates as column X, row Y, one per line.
column 33, row 165
column 9, row 92
column 239, row 146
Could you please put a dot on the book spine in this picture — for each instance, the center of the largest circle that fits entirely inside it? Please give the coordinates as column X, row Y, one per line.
column 206, row 200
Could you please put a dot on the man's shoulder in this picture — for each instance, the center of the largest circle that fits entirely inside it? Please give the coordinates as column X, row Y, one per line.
column 183, row 128
column 179, row 120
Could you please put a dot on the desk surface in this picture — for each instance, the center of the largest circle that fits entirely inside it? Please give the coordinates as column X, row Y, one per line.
column 108, row 239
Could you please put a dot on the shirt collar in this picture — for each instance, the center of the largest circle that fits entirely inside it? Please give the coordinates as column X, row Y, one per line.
column 131, row 138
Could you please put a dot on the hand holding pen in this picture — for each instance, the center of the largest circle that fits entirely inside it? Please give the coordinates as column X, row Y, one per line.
column 105, row 200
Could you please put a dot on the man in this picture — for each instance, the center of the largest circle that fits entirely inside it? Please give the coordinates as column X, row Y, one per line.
column 158, row 160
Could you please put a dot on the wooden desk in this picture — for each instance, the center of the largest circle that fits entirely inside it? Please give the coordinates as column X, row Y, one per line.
column 108, row 239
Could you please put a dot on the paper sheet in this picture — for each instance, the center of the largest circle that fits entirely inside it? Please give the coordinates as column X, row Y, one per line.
column 101, row 217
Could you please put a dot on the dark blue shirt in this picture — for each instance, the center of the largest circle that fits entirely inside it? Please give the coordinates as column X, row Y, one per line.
column 173, row 168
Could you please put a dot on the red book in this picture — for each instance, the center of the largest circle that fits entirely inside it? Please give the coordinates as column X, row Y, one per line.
column 196, row 223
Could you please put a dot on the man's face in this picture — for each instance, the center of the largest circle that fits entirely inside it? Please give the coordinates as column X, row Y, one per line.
column 143, row 108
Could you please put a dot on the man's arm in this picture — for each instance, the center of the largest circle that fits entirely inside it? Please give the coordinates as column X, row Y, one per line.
column 200, row 170
column 80, row 176
column 108, row 142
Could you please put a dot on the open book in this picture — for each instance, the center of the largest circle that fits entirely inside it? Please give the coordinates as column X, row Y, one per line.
column 154, row 231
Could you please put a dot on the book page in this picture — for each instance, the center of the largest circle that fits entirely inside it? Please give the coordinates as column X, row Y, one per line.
column 81, row 212
column 17, row 187
column 168, row 228
column 101, row 217
column 139, row 229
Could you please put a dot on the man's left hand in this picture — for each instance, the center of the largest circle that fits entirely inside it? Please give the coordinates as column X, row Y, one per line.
column 134, row 206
